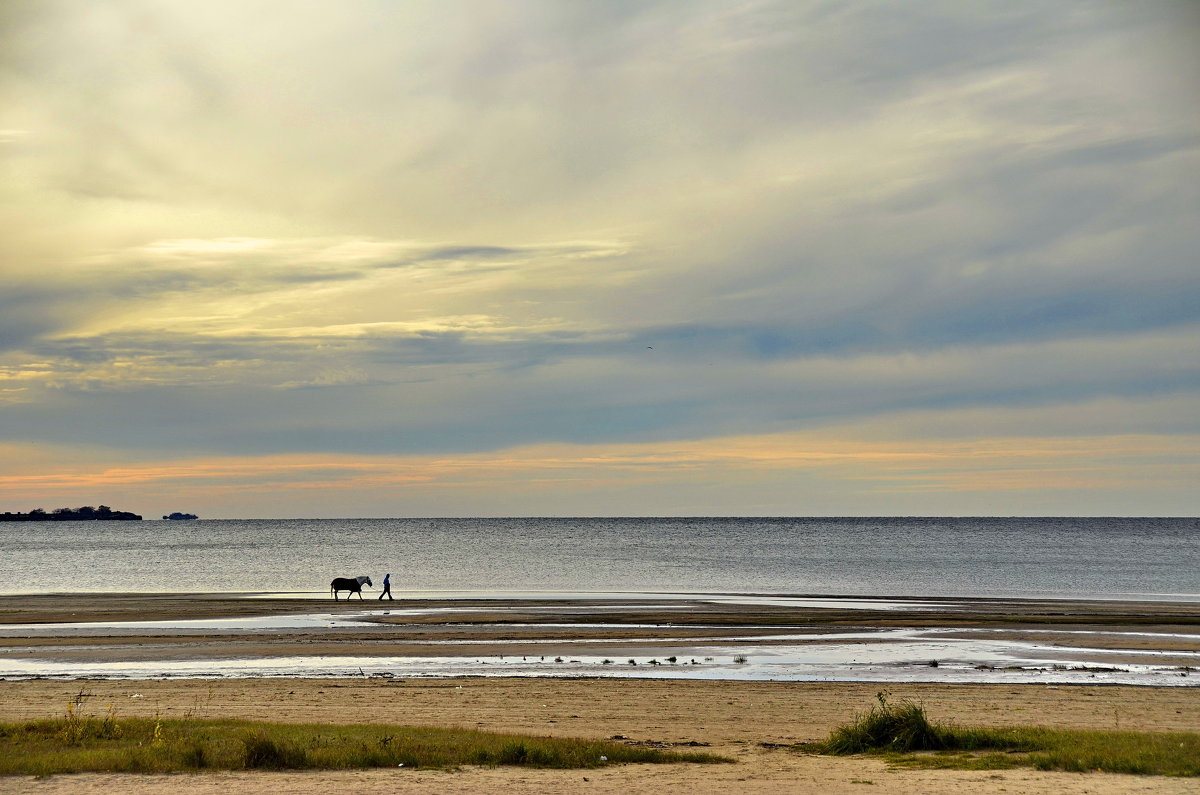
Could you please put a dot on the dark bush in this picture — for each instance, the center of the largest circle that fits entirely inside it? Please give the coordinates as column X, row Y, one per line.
column 263, row 752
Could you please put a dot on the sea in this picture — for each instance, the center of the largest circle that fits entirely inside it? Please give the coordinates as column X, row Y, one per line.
column 1063, row 557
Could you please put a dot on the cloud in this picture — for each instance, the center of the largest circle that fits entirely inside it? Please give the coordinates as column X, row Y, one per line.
column 626, row 222
column 390, row 391
column 23, row 318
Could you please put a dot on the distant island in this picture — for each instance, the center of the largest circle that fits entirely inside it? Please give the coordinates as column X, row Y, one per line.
column 87, row 512
column 178, row 515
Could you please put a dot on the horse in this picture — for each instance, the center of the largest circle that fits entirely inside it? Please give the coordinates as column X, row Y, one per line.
column 352, row 584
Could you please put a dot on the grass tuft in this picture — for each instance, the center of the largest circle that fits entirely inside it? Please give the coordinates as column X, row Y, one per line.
column 263, row 751
column 888, row 727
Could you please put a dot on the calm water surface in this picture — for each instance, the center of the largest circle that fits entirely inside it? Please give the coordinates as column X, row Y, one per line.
column 1067, row 557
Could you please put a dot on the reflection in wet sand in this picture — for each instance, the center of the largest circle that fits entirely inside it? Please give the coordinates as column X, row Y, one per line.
column 735, row 637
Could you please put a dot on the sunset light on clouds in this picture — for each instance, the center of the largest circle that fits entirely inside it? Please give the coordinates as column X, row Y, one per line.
column 540, row 258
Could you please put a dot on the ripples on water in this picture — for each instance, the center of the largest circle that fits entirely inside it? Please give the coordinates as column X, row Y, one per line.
column 1073, row 557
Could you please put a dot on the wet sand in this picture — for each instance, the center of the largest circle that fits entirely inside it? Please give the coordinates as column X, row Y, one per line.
column 744, row 610
column 93, row 628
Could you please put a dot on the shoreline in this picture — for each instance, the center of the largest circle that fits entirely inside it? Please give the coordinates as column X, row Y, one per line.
column 97, row 606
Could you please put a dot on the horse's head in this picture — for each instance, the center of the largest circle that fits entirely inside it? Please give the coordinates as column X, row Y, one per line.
column 367, row 581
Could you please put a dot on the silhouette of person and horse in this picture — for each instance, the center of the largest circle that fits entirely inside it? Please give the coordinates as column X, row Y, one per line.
column 354, row 585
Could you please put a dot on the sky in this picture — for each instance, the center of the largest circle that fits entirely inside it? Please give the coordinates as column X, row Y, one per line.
column 277, row 258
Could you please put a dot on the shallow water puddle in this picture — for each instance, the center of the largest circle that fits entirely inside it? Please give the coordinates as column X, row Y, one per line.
column 896, row 655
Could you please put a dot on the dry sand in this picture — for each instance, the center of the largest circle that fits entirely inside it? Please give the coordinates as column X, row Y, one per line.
column 749, row 721
column 732, row 718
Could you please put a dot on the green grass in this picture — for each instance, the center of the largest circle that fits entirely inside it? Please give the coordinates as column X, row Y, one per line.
column 77, row 744
column 899, row 731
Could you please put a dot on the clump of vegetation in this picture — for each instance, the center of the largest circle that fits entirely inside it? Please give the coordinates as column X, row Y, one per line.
column 260, row 750
column 888, row 727
column 899, row 730
column 77, row 743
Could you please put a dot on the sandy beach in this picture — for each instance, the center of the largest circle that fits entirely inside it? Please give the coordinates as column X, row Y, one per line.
column 747, row 721
column 751, row 721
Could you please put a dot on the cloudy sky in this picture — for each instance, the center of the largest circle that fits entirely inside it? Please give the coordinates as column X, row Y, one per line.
column 277, row 258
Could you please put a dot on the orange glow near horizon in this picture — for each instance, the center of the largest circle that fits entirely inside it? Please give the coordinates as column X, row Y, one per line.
column 858, row 466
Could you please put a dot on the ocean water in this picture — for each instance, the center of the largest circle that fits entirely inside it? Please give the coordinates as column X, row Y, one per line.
column 1013, row 557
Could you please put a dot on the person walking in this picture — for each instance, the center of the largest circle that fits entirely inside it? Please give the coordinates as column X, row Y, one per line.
column 387, row 587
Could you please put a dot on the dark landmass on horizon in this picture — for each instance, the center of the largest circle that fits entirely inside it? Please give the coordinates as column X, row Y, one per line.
column 86, row 513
